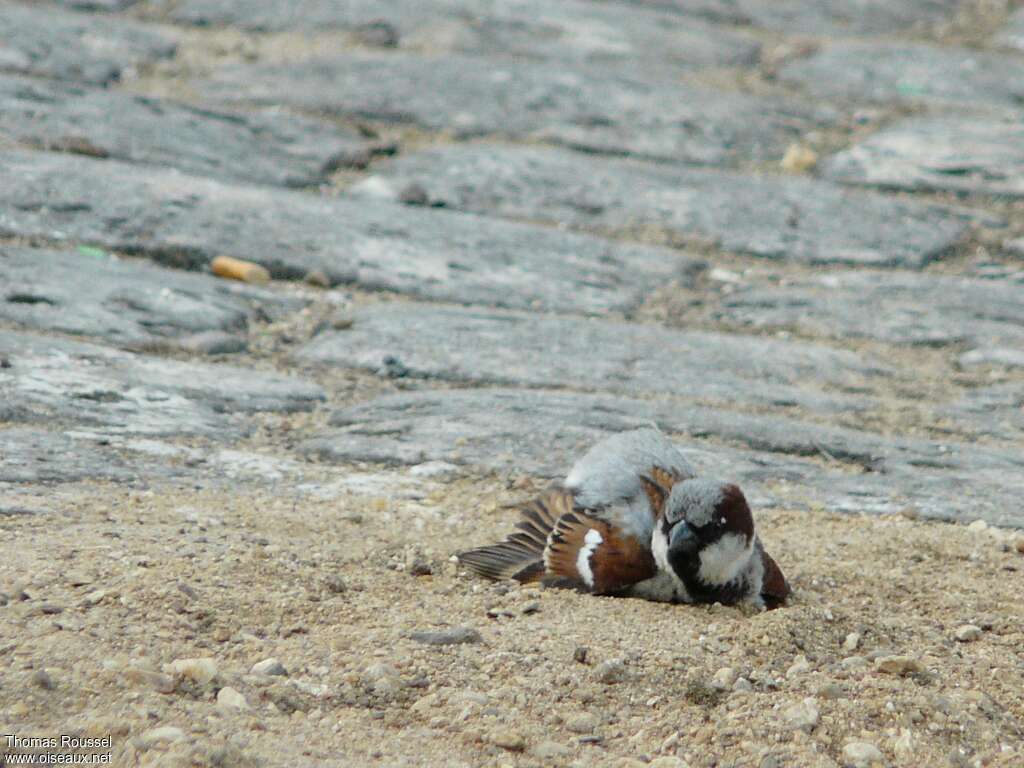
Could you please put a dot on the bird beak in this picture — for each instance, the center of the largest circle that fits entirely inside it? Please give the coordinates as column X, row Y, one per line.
column 682, row 541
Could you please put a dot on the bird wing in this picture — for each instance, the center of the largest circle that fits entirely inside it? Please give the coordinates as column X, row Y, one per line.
column 521, row 555
column 594, row 556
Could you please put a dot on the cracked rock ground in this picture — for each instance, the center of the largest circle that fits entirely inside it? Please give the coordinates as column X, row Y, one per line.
column 787, row 232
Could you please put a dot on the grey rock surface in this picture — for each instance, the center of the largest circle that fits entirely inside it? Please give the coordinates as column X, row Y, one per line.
column 492, row 347
column 104, row 391
column 895, row 307
column 894, row 72
column 1013, row 35
column 541, row 433
column 813, row 17
column 1007, row 357
column 996, row 410
column 269, row 147
column 453, row 636
column 125, row 302
column 597, row 111
column 786, row 218
column 30, row 455
column 938, row 154
column 73, row 46
column 448, row 256
column 568, row 30
column 97, row 5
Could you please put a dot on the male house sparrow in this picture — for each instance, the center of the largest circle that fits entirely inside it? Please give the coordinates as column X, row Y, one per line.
column 632, row 519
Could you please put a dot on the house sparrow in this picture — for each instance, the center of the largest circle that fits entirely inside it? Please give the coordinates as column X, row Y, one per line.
column 632, row 519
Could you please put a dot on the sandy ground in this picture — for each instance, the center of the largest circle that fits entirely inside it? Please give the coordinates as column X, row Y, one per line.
column 98, row 611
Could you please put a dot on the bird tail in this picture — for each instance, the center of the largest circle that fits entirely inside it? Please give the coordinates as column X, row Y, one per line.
column 521, row 555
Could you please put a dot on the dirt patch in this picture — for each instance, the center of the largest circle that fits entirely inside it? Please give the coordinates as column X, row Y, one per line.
column 103, row 588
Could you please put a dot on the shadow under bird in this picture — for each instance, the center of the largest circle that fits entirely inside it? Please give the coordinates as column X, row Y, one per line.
column 632, row 519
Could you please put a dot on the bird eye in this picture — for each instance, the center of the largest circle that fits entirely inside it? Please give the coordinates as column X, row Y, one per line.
column 721, row 521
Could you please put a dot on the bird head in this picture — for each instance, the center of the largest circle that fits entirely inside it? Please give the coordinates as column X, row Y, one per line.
column 709, row 537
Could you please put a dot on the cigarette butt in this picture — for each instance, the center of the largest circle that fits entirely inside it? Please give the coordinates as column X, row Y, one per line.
column 236, row 269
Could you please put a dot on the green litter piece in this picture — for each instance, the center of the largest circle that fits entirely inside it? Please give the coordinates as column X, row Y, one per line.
column 88, row 250
column 910, row 89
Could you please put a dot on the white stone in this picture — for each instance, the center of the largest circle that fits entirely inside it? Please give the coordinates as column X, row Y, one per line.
column 439, row 470
column 905, row 745
column 550, row 750
column 862, row 754
column 742, row 685
column 668, row 761
column 723, row 679
column 163, row 733
column 269, row 667
column 379, row 670
column 229, row 698
column 803, row 716
column 967, row 633
column 582, row 723
column 199, row 671
column 799, row 667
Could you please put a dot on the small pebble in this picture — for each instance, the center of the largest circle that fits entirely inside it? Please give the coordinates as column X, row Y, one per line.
column 967, row 633
column 506, row 738
column 830, row 691
column 611, row 671
column 723, row 679
column 94, row 598
column 151, row 679
column 42, row 679
column 904, row 745
column 420, row 567
column 414, row 194
column 862, row 754
column 199, row 671
column 851, row 642
column 579, row 655
column 582, row 723
column 387, row 687
column 377, row 33
column 803, row 716
column 454, row 636
column 799, row 667
column 317, row 278
column 436, row 470
column 897, row 665
column 214, row 343
column 335, row 584
column 978, row 526
column 229, row 698
column 742, row 685
column 269, row 667
column 550, row 750
column 1020, row 546
column 667, row 761
column 166, row 733
column 799, row 158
